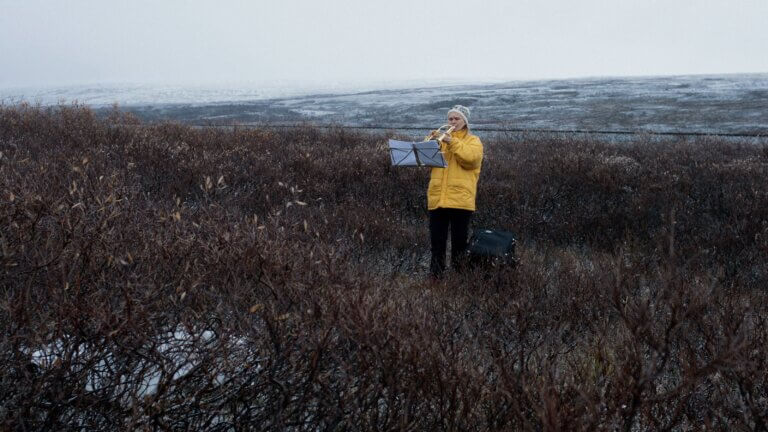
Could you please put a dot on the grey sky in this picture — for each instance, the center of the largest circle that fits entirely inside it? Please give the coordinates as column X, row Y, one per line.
column 53, row 42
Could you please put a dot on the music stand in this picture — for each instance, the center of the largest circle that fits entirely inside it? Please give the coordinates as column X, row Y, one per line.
column 424, row 153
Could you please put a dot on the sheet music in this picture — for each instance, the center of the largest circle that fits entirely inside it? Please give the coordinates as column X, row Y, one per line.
column 402, row 153
column 406, row 153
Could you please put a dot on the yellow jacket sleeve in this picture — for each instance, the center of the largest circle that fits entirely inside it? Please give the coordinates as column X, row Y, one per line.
column 468, row 152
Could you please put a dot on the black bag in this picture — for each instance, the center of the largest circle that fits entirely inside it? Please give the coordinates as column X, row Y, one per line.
column 491, row 247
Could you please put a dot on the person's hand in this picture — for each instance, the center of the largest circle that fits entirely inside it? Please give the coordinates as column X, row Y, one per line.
column 447, row 138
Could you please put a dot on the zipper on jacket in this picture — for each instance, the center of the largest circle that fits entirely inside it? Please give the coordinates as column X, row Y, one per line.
column 441, row 202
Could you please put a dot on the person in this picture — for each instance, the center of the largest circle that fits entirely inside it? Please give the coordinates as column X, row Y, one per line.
column 452, row 190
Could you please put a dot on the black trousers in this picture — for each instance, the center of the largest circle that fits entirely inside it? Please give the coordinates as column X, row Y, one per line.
column 440, row 220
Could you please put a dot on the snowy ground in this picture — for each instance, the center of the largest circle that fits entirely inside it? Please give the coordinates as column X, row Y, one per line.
column 711, row 104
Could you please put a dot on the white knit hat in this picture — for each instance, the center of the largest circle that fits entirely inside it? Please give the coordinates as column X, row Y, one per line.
column 462, row 111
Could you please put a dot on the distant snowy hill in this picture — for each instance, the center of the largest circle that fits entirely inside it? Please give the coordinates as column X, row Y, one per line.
column 716, row 103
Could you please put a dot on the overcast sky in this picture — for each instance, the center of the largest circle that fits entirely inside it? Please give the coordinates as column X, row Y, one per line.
column 62, row 42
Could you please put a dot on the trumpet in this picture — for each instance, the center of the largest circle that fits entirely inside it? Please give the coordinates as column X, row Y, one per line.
column 440, row 131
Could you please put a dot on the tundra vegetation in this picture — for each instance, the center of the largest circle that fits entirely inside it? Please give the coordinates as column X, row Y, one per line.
column 161, row 276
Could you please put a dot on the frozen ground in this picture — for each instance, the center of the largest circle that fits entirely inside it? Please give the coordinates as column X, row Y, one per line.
column 711, row 104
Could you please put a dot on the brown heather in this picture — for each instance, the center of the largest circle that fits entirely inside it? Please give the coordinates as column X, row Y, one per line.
column 165, row 277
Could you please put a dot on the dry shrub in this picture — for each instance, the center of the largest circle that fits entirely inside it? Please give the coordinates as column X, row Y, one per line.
column 161, row 276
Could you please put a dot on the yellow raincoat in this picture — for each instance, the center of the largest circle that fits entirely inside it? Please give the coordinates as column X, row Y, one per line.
column 456, row 185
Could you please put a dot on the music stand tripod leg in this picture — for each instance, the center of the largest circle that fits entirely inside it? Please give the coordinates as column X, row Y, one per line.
column 416, row 154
